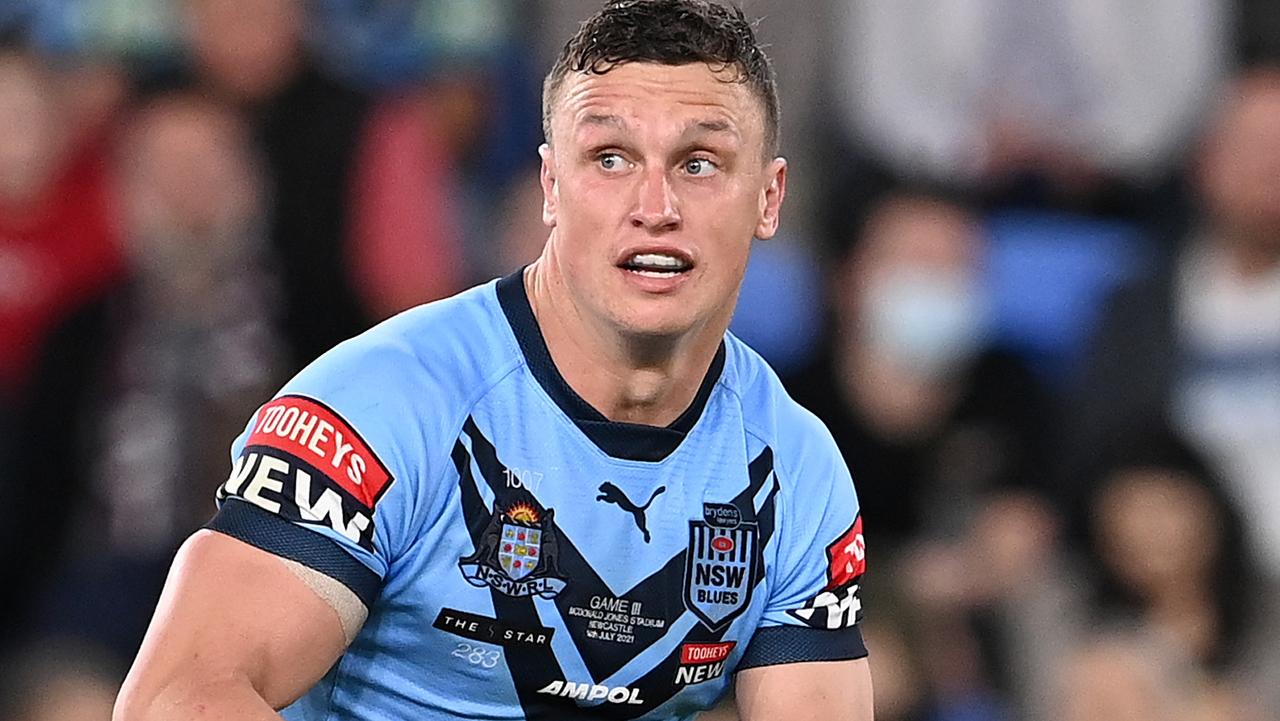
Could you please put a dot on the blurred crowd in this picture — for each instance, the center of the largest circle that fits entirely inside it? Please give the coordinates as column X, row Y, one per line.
column 1029, row 277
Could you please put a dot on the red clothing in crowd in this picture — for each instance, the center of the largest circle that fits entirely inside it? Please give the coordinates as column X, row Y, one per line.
column 56, row 254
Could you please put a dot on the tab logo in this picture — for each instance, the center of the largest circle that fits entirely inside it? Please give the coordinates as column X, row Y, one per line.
column 847, row 557
column 837, row 604
column 831, row 610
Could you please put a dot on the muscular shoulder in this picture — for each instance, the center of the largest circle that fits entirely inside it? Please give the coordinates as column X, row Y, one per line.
column 372, row 421
column 405, row 385
column 443, row 353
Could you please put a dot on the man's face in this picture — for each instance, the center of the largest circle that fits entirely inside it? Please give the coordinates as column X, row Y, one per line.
column 654, row 184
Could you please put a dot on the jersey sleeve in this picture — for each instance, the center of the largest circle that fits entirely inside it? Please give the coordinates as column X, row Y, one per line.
column 325, row 473
column 814, row 607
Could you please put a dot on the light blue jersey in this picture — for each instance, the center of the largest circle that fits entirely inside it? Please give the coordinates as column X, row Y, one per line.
column 523, row 557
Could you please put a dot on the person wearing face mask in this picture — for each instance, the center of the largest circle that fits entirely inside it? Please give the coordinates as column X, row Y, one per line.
column 931, row 416
column 940, row 427
column 1198, row 339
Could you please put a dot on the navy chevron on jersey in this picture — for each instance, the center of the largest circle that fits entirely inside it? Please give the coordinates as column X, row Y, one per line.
column 523, row 557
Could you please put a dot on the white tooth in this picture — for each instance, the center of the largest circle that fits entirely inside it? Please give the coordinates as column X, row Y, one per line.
column 660, row 260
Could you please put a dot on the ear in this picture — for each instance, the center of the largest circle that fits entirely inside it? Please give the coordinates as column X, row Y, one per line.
column 550, row 190
column 771, row 197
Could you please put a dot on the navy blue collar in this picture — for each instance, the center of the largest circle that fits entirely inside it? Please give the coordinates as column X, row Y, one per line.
column 631, row 441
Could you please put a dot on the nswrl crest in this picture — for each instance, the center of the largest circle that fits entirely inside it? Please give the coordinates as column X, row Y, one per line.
column 720, row 567
column 518, row 554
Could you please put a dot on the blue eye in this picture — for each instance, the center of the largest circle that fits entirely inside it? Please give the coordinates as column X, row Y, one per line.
column 611, row 161
column 699, row 167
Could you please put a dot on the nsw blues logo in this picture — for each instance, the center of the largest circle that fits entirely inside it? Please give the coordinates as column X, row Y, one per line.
column 720, row 567
column 517, row 554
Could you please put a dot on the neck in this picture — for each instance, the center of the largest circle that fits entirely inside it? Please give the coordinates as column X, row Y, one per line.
column 636, row 379
column 1189, row 620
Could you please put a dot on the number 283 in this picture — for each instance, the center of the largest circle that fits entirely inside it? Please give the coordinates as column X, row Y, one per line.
column 476, row 655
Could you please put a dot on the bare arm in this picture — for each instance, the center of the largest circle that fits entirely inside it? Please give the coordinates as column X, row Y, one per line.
column 236, row 635
column 817, row 691
column 724, row 711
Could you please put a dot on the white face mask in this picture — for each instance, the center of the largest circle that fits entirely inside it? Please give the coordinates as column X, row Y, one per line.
column 932, row 323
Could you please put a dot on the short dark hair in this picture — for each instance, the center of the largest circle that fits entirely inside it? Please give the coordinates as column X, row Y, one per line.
column 670, row 32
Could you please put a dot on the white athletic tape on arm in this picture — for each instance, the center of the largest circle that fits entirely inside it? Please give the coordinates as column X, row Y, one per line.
column 351, row 611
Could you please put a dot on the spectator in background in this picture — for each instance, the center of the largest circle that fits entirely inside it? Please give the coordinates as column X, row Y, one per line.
column 938, row 425
column 1172, row 622
column 1165, row 597
column 193, row 341
column 1123, row 678
column 182, row 354
column 1173, row 566
column 453, row 132
column 931, row 418
column 365, row 215
column 1200, row 340
column 1067, row 121
column 983, row 94
column 406, row 244
column 251, row 54
column 58, row 255
column 56, row 236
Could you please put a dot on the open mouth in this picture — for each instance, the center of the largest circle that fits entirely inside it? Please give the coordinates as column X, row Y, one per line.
column 657, row 265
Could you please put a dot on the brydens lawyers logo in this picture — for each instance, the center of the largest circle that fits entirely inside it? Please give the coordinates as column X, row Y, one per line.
column 517, row 554
column 304, row 462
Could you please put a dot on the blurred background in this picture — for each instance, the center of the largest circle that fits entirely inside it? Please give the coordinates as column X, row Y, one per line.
column 1029, row 275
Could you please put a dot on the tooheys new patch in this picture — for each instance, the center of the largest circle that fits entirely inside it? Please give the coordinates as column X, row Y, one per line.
column 304, row 462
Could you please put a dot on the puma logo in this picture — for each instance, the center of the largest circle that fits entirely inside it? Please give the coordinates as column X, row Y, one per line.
column 610, row 493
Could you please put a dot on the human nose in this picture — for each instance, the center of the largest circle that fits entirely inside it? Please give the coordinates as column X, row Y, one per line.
column 656, row 206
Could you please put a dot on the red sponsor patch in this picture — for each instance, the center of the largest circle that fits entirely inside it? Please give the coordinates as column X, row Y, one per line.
column 847, row 557
column 693, row 653
column 314, row 434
